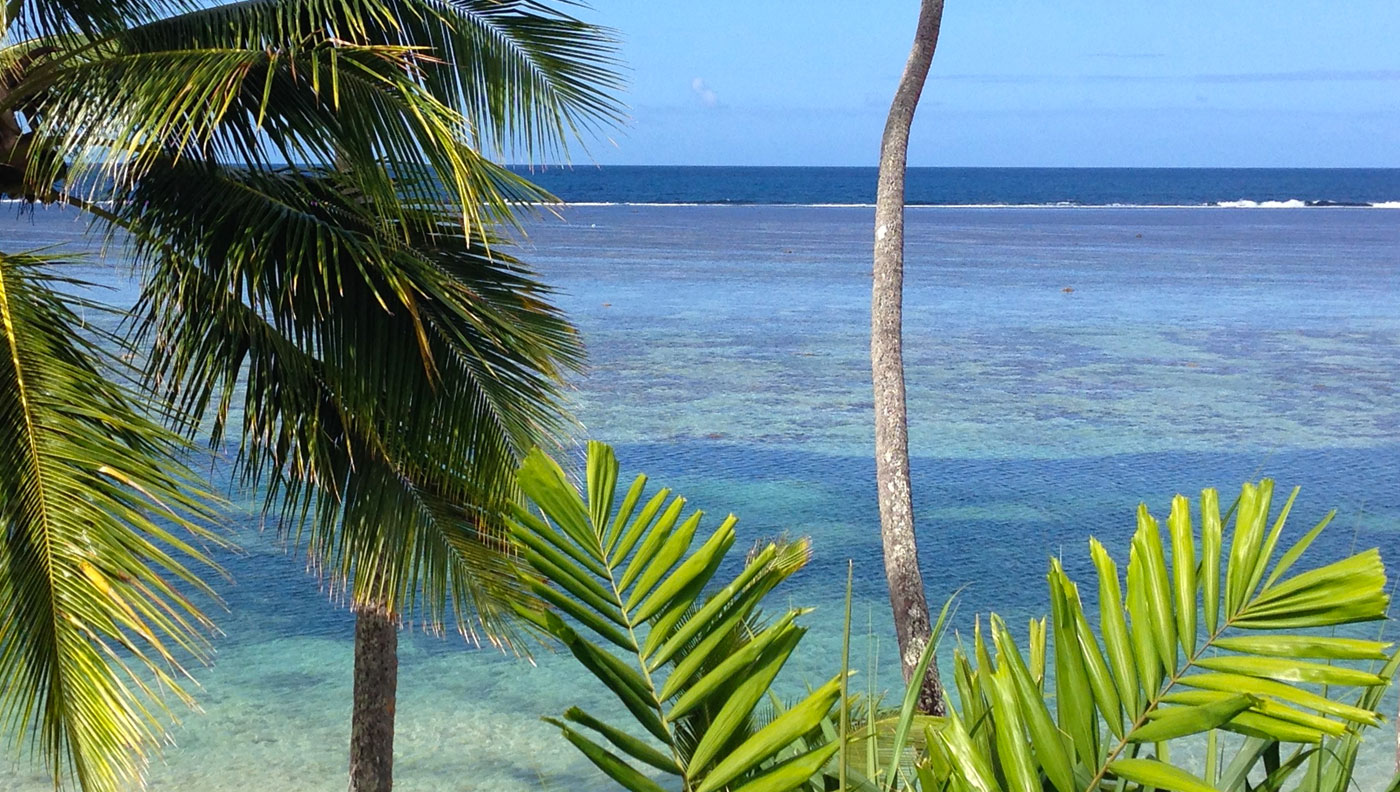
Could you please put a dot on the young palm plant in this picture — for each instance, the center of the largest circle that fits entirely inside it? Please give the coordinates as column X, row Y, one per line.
column 1216, row 642
column 692, row 670
column 397, row 361
column 1212, row 634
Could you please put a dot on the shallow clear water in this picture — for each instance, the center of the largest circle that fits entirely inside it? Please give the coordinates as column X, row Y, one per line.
column 728, row 348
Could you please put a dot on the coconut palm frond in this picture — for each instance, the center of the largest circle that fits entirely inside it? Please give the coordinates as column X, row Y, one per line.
column 75, row 20
column 528, row 76
column 424, row 86
column 102, row 524
column 393, row 370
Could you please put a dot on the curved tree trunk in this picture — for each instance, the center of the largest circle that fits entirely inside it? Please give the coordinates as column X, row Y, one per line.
column 376, row 684
column 911, row 614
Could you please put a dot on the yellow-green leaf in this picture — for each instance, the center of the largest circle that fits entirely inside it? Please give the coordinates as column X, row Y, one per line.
column 1152, row 773
column 1313, row 646
column 1285, row 670
column 1183, row 573
column 1169, row 723
column 790, row 725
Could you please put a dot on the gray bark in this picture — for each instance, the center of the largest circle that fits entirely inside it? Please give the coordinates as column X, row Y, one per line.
column 906, row 584
column 376, row 685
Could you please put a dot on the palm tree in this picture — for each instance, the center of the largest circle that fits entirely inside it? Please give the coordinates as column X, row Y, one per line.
column 894, row 491
column 1222, row 636
column 390, row 431
column 391, row 359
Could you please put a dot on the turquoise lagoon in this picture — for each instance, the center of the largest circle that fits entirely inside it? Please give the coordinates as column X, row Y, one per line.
column 1063, row 364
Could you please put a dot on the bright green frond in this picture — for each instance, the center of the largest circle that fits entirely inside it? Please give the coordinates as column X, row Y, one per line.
column 428, row 88
column 526, row 75
column 96, row 563
column 1260, row 668
column 698, row 668
column 118, row 115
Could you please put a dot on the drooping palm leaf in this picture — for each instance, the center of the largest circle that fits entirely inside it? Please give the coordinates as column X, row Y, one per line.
column 390, row 374
column 97, row 513
column 690, row 677
column 397, row 360
column 1210, row 633
column 117, row 116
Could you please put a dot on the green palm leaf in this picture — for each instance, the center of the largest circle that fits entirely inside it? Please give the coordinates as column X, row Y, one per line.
column 426, row 86
column 118, row 115
column 702, row 714
column 96, row 561
column 1251, row 671
column 390, row 374
column 350, row 322
column 526, row 74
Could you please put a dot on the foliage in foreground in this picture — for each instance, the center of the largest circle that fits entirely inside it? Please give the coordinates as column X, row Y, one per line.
column 1215, row 639
column 396, row 364
column 1212, row 633
column 697, row 670
column 97, row 514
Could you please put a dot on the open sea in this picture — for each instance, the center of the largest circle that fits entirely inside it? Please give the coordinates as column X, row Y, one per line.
column 1077, row 342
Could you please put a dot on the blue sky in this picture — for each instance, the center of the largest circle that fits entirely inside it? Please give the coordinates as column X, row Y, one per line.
column 1287, row 83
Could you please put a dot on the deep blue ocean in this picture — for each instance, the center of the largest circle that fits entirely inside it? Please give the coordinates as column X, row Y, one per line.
column 1065, row 363
column 1240, row 187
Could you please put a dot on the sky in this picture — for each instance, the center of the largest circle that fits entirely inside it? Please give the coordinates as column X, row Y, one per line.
column 1080, row 83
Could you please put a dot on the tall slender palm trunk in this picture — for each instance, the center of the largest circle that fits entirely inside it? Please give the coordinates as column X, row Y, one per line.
column 376, row 685
column 906, row 584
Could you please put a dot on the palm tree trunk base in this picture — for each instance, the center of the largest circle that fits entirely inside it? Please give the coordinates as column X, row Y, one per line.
column 376, row 685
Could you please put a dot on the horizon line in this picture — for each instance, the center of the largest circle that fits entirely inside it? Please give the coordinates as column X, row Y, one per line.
column 602, row 166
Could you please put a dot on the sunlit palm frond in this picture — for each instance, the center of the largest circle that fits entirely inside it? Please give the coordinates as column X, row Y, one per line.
column 638, row 601
column 526, row 75
column 422, row 85
column 96, row 561
column 1212, row 632
column 116, row 116
column 394, row 371
column 529, row 76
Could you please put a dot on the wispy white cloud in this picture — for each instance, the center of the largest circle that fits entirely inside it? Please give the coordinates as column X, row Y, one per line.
column 704, row 93
column 1311, row 75
column 1128, row 55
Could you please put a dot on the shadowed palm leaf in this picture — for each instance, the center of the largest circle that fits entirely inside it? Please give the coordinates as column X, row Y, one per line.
column 95, row 509
column 394, row 372
column 77, row 19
